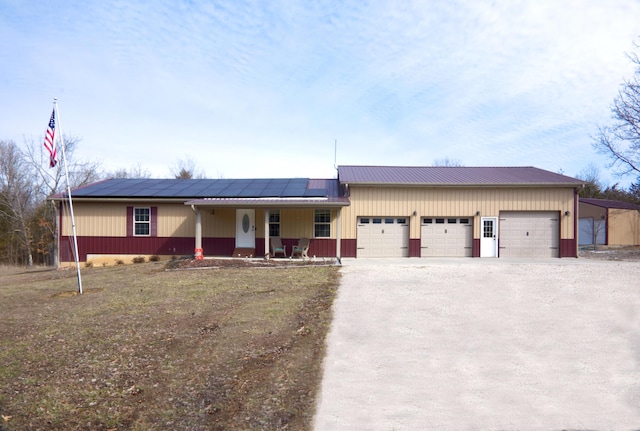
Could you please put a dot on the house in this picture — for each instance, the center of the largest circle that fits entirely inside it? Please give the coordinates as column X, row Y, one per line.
column 608, row 222
column 368, row 211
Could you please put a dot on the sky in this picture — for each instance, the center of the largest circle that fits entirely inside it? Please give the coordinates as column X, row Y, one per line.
column 285, row 88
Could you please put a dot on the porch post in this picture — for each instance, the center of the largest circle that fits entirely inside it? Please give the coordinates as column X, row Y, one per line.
column 198, row 251
column 338, row 233
column 266, row 233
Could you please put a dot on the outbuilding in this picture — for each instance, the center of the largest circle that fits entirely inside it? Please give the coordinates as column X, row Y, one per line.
column 608, row 222
column 367, row 211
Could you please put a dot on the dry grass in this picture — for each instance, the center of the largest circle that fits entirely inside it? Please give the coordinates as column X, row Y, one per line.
column 149, row 349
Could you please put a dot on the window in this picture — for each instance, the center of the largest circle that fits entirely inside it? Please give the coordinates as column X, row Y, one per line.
column 377, row 221
column 142, row 221
column 388, row 221
column 322, row 223
column 452, row 220
column 464, row 221
column 274, row 223
column 439, row 221
column 364, row 220
column 487, row 229
column 428, row 221
column 402, row 221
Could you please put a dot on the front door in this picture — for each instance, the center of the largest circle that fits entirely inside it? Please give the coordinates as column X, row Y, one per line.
column 489, row 237
column 245, row 228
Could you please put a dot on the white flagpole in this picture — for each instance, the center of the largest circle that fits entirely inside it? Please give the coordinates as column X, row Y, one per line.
column 73, row 222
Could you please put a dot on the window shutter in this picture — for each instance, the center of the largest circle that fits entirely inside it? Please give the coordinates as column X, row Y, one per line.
column 154, row 221
column 129, row 221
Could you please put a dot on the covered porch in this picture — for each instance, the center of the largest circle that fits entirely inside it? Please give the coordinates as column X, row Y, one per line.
column 243, row 227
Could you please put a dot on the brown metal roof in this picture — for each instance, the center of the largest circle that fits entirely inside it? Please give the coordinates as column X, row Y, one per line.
column 607, row 203
column 453, row 176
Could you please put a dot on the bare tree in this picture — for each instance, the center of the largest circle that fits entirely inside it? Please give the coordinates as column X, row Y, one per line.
column 185, row 169
column 16, row 196
column 136, row 171
column 594, row 186
column 447, row 162
column 621, row 140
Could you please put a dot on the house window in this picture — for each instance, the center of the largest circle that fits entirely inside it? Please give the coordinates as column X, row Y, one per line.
column 142, row 221
column 274, row 223
column 322, row 223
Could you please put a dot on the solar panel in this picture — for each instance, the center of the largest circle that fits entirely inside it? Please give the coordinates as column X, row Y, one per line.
column 202, row 188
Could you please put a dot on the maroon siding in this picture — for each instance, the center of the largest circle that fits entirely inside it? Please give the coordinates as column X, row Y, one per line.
column 475, row 248
column 154, row 221
column 348, row 248
column 183, row 246
column 414, row 247
column 568, row 248
column 129, row 221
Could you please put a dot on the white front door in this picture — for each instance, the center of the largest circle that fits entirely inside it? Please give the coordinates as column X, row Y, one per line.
column 245, row 228
column 489, row 237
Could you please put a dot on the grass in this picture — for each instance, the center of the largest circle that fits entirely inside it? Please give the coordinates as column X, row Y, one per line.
column 149, row 349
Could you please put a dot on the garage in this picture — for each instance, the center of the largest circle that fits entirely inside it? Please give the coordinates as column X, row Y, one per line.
column 446, row 237
column 529, row 234
column 383, row 237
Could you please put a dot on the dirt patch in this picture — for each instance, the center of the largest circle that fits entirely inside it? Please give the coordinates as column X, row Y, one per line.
column 248, row 263
column 631, row 253
column 149, row 349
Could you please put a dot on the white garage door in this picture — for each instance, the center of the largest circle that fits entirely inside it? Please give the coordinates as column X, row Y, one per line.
column 446, row 236
column 591, row 231
column 383, row 237
column 529, row 234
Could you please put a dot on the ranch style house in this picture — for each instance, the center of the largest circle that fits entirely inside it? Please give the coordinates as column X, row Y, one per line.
column 367, row 211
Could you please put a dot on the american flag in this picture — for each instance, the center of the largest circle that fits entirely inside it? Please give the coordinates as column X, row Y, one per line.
column 49, row 141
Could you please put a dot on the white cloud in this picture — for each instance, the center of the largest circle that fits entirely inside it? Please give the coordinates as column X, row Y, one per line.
column 251, row 88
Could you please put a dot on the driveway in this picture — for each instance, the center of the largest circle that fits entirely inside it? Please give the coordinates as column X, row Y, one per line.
column 483, row 344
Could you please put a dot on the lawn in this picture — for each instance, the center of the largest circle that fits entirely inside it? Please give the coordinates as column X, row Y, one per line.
column 149, row 349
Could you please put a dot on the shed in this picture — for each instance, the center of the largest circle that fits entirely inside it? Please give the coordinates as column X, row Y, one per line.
column 608, row 222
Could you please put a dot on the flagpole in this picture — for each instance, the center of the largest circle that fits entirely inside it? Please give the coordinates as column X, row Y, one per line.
column 73, row 222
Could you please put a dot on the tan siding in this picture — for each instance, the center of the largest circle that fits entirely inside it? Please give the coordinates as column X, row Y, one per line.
column 219, row 222
column 624, row 227
column 102, row 219
column 175, row 220
column 462, row 202
column 592, row 211
column 110, row 219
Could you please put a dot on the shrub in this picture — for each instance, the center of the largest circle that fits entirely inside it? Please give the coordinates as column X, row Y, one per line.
column 138, row 259
column 119, row 262
column 88, row 264
column 154, row 258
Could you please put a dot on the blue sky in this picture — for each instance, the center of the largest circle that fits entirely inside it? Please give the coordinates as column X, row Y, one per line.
column 264, row 89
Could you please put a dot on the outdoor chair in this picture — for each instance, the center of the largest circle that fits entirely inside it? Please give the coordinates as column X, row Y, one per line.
column 278, row 248
column 301, row 248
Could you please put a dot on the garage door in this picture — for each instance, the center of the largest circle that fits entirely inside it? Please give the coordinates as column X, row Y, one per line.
column 529, row 234
column 446, row 237
column 591, row 231
column 383, row 237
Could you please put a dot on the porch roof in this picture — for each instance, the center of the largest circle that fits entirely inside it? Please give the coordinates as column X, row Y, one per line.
column 301, row 202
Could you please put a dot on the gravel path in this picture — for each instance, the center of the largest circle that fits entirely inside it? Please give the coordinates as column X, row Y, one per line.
column 483, row 344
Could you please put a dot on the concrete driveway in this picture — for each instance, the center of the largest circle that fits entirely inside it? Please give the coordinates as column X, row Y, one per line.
column 483, row 344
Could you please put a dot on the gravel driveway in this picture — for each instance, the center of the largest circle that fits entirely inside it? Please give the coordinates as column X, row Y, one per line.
column 483, row 344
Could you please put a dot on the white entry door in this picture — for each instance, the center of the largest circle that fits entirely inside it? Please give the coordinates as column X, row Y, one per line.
column 246, row 228
column 489, row 237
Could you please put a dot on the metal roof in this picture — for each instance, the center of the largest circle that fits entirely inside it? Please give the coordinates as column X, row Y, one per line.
column 207, row 188
column 453, row 176
column 607, row 203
